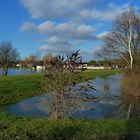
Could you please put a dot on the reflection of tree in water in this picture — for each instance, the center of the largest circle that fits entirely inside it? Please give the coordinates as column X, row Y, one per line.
column 106, row 88
column 110, row 112
column 130, row 107
column 111, row 106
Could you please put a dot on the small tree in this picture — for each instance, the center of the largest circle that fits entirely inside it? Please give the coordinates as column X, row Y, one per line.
column 8, row 55
column 61, row 77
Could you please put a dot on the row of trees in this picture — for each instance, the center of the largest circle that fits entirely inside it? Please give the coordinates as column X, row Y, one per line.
column 104, row 62
column 34, row 60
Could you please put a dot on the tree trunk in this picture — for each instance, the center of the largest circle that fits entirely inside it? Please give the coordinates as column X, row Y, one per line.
column 5, row 70
column 129, row 111
column 130, row 48
column 55, row 115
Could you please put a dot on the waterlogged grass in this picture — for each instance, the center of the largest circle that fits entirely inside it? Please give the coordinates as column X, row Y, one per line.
column 66, row 129
column 15, row 88
column 90, row 74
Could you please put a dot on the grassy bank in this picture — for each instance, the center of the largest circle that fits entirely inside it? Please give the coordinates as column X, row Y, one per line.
column 66, row 129
column 16, row 88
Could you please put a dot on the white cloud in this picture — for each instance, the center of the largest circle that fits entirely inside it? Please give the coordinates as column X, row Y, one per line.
column 45, row 27
column 53, row 8
column 102, row 35
column 59, row 49
column 107, row 14
column 28, row 26
column 84, row 29
column 73, row 9
column 63, row 30
column 63, row 37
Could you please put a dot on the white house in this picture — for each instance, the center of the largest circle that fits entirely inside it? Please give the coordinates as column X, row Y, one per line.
column 40, row 68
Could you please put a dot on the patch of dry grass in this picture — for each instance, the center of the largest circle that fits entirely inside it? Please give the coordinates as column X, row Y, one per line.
column 131, row 84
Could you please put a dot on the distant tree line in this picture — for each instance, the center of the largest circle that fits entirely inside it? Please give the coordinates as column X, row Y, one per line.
column 106, row 62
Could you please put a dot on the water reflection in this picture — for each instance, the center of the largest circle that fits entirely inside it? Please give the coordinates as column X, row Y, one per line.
column 19, row 71
column 130, row 107
column 109, row 103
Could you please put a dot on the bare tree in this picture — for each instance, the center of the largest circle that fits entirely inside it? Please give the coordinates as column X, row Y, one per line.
column 124, row 39
column 61, row 77
column 47, row 58
column 8, row 55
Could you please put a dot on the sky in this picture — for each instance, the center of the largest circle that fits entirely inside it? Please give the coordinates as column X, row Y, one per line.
column 39, row 27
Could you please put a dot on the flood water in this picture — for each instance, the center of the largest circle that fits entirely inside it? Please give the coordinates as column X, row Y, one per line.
column 109, row 104
column 19, row 71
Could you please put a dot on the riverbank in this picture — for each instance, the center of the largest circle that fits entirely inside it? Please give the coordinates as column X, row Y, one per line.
column 19, row 87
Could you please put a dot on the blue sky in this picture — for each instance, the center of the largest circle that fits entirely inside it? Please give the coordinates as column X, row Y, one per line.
column 58, row 26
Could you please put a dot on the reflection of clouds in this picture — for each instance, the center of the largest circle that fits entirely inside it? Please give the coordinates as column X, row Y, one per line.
column 33, row 104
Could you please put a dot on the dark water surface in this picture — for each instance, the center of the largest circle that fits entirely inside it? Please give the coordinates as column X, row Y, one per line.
column 109, row 103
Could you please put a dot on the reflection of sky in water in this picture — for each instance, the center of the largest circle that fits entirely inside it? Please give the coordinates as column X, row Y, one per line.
column 30, row 107
column 112, row 81
column 36, row 106
column 14, row 71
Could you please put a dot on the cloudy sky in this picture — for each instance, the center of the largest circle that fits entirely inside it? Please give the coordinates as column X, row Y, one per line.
column 58, row 26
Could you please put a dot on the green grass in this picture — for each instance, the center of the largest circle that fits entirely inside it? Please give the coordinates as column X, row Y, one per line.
column 15, row 88
column 66, row 129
